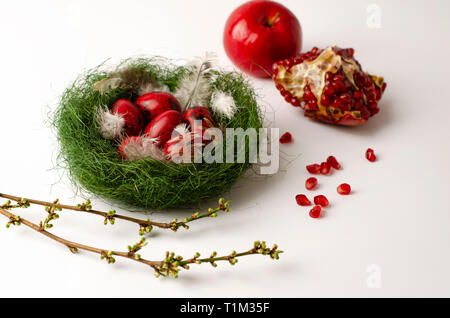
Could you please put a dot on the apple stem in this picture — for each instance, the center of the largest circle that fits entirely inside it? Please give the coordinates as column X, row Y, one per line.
column 272, row 20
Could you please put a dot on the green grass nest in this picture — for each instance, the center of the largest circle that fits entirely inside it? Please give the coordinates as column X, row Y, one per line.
column 93, row 161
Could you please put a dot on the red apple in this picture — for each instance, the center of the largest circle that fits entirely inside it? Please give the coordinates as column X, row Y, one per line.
column 260, row 33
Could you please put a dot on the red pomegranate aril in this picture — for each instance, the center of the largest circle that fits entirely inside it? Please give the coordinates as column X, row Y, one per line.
column 329, row 76
column 372, row 105
column 285, row 93
column 357, row 95
column 294, row 101
column 315, row 212
column 345, row 98
column 333, row 162
column 328, row 90
column 321, row 200
column 312, row 105
column 286, row 138
column 371, row 96
column 358, row 104
column 325, row 168
column 336, row 103
column 370, row 155
column 311, row 183
column 302, row 200
column 309, row 96
column 325, row 100
column 339, row 77
column 348, row 52
column 344, row 189
column 346, row 107
column 365, row 113
column 338, row 86
column 313, row 169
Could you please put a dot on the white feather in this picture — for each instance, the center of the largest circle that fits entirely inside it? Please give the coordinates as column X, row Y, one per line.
column 151, row 87
column 210, row 61
column 107, row 84
column 111, row 126
column 223, row 104
column 193, row 89
column 182, row 129
column 143, row 147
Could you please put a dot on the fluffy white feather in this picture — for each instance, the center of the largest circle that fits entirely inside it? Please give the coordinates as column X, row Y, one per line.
column 210, row 61
column 151, row 87
column 111, row 126
column 182, row 129
column 223, row 104
column 193, row 89
column 143, row 147
column 107, row 84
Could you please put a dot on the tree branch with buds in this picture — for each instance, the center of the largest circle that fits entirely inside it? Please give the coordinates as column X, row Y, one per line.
column 169, row 266
column 145, row 226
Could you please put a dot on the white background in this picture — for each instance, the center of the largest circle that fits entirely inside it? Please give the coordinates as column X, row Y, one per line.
column 397, row 218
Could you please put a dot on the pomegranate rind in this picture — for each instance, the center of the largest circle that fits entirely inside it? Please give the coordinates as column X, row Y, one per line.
column 293, row 75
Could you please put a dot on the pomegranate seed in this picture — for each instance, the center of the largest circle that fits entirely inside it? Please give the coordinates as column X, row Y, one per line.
column 339, row 77
column 309, row 96
column 338, row 86
column 302, row 200
column 286, row 138
column 325, row 100
column 315, row 212
column 321, row 200
column 311, row 183
column 337, row 103
column 294, row 101
column 358, row 104
column 345, row 98
column 370, row 155
column 313, row 169
column 325, row 168
column 333, row 162
column 357, row 95
column 312, row 105
column 365, row 113
column 344, row 189
column 328, row 90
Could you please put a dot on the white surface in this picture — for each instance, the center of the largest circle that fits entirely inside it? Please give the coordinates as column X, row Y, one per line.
column 397, row 218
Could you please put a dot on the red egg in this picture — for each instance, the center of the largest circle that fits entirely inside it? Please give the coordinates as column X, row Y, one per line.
column 155, row 103
column 174, row 148
column 162, row 126
column 134, row 121
column 199, row 113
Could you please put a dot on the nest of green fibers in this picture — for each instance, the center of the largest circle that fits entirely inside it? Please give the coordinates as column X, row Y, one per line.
column 93, row 162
